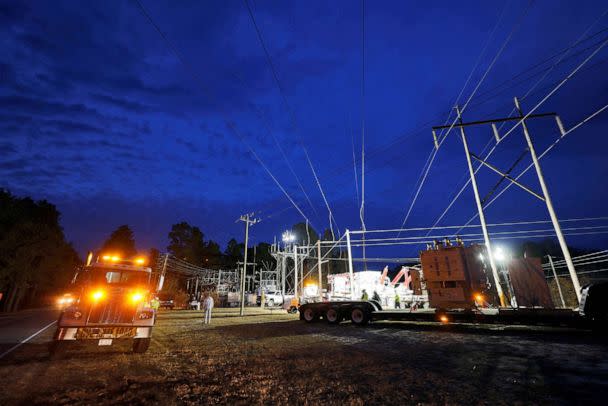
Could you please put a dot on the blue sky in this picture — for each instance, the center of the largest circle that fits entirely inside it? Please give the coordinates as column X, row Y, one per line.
column 99, row 116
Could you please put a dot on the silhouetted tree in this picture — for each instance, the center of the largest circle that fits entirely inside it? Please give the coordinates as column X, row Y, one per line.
column 35, row 258
column 121, row 242
column 212, row 255
column 233, row 253
column 187, row 242
column 263, row 257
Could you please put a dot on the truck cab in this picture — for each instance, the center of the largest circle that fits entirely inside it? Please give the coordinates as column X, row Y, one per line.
column 112, row 301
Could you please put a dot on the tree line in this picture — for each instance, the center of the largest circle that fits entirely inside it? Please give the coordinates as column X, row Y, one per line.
column 37, row 261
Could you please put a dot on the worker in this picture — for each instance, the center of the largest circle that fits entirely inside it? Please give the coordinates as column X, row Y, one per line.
column 207, row 307
column 376, row 297
column 155, row 303
column 364, row 296
column 397, row 301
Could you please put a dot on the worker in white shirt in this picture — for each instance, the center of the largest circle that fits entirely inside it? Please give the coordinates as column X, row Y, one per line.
column 207, row 306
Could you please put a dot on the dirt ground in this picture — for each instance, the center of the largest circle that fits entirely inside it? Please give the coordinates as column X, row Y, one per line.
column 277, row 359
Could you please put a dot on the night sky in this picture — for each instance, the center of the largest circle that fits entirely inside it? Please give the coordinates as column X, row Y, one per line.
column 102, row 116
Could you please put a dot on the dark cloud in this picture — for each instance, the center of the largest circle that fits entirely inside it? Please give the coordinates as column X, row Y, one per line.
column 92, row 98
column 39, row 107
column 7, row 148
column 14, row 163
column 188, row 144
column 124, row 104
column 67, row 126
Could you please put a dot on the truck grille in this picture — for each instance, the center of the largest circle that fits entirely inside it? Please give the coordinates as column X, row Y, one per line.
column 112, row 311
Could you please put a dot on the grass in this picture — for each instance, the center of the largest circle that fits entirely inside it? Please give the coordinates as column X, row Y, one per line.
column 270, row 357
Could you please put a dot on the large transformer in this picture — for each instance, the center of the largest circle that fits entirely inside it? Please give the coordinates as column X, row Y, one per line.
column 455, row 275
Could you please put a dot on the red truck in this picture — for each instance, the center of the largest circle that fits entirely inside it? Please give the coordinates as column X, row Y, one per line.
column 112, row 301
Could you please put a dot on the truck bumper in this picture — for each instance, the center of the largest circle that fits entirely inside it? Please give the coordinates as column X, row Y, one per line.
column 96, row 333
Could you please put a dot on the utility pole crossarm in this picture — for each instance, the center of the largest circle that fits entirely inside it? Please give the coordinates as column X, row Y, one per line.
column 496, row 120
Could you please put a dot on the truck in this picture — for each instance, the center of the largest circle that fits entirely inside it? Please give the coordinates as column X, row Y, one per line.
column 111, row 302
column 452, row 285
column 592, row 313
column 272, row 298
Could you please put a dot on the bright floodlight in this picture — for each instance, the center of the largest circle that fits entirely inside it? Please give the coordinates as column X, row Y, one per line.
column 499, row 254
column 288, row 236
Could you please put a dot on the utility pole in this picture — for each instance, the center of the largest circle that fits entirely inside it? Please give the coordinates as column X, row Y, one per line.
column 482, row 217
column 295, row 260
column 283, row 266
column 505, row 175
column 559, row 288
column 350, row 266
column 556, row 226
column 320, row 272
column 247, row 219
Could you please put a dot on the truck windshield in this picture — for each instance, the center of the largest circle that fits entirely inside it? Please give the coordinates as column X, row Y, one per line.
column 120, row 277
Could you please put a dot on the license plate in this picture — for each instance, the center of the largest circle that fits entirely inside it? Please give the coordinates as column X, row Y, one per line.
column 105, row 341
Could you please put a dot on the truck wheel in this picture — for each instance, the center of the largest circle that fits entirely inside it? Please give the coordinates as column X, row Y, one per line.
column 309, row 315
column 140, row 345
column 359, row 316
column 56, row 349
column 333, row 316
column 271, row 303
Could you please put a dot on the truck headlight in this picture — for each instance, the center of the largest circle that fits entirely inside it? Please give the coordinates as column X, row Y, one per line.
column 137, row 297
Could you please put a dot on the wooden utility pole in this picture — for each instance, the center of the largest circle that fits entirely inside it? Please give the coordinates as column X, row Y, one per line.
column 247, row 219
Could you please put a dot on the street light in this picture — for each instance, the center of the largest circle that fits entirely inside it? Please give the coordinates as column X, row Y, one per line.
column 288, row 236
column 502, row 256
column 499, row 254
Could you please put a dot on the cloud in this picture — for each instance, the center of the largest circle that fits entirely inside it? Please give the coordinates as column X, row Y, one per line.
column 121, row 103
column 41, row 107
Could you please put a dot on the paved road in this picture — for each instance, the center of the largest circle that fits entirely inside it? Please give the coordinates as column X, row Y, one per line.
column 16, row 327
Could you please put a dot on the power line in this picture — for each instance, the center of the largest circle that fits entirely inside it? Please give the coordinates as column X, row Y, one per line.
column 283, row 96
column 468, row 225
column 481, row 80
column 377, row 152
column 269, row 173
column 563, row 54
column 545, row 152
column 198, row 80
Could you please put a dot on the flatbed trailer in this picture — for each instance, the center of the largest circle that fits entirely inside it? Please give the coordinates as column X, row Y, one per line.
column 593, row 313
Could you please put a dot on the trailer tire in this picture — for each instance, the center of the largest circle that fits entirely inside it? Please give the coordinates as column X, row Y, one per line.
column 333, row 316
column 140, row 345
column 309, row 315
column 359, row 316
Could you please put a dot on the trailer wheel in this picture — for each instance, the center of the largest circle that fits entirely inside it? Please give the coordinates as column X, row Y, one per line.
column 359, row 316
column 333, row 316
column 140, row 345
column 310, row 315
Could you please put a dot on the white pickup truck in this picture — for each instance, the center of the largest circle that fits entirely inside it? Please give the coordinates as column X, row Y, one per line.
column 272, row 298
